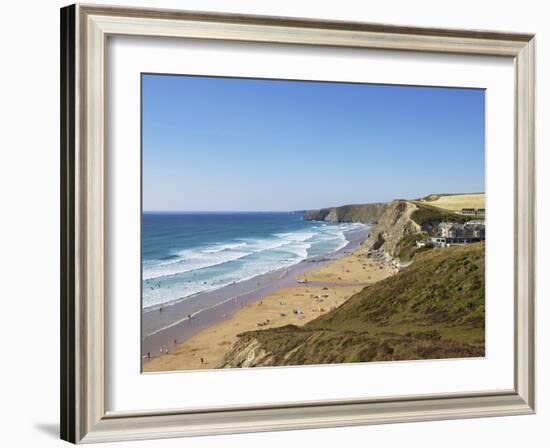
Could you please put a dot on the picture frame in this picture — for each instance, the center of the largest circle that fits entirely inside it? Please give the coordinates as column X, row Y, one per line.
column 84, row 415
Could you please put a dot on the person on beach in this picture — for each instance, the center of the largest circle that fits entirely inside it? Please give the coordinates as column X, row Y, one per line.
column 202, row 360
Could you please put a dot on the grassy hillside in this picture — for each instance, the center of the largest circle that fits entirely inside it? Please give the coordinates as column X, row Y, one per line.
column 434, row 308
column 406, row 249
column 455, row 202
column 428, row 216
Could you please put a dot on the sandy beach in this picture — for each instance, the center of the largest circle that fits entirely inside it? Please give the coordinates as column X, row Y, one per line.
column 325, row 288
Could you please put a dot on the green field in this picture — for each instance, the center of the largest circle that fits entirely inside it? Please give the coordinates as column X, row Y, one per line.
column 455, row 202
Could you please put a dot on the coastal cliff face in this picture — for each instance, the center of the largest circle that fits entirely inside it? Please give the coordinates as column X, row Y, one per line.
column 434, row 308
column 365, row 213
column 394, row 224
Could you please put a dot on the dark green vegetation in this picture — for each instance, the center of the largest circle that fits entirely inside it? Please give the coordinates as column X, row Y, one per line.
column 428, row 217
column 406, row 248
column 365, row 213
column 434, row 308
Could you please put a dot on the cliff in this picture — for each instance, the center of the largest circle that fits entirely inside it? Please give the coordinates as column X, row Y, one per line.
column 434, row 308
column 365, row 213
column 395, row 224
column 396, row 227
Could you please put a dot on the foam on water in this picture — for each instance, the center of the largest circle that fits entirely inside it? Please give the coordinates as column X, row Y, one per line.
column 207, row 267
column 190, row 260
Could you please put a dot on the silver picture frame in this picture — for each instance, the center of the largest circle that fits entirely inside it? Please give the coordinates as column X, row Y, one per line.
column 84, row 417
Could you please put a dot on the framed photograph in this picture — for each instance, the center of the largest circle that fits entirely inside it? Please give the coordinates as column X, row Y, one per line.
column 278, row 223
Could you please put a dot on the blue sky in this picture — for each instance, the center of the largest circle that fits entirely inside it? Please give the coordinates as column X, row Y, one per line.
column 213, row 144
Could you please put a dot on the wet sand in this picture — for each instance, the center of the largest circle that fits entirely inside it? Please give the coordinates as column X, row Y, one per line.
column 329, row 284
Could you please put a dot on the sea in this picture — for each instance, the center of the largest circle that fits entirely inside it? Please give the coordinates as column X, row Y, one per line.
column 185, row 254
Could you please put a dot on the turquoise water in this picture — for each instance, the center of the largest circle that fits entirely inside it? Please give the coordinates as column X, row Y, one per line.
column 184, row 254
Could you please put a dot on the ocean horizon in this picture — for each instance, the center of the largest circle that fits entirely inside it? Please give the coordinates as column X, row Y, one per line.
column 186, row 253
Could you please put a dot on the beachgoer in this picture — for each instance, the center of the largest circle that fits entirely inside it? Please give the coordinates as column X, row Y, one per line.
column 148, row 355
column 202, row 360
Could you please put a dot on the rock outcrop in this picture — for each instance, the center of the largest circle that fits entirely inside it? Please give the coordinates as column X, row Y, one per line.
column 394, row 224
column 247, row 352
